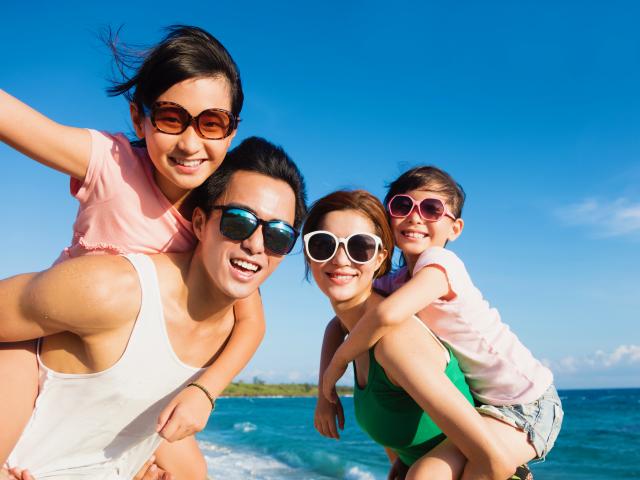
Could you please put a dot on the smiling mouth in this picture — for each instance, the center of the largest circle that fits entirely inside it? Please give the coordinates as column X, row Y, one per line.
column 414, row 235
column 245, row 266
column 340, row 277
column 187, row 163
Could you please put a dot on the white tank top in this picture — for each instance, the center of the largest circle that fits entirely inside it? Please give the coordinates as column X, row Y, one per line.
column 101, row 426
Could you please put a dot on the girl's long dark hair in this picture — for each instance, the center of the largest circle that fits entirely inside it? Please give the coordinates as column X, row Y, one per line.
column 185, row 52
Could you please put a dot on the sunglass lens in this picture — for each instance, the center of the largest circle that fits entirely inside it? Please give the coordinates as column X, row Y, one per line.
column 170, row 119
column 400, row 206
column 214, row 124
column 361, row 248
column 431, row 209
column 321, row 247
column 238, row 224
column 279, row 237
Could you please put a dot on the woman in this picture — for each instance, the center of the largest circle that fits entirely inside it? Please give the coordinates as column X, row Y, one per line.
column 409, row 391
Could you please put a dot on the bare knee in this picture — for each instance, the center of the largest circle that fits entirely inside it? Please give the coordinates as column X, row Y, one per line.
column 430, row 471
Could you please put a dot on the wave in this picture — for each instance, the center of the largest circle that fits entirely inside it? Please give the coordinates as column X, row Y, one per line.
column 228, row 464
column 245, row 427
column 225, row 463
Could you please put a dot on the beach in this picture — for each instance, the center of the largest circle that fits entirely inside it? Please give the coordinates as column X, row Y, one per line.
column 273, row 438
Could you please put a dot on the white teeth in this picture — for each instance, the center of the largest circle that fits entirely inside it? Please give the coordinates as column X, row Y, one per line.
column 415, row 234
column 187, row 163
column 246, row 265
column 341, row 277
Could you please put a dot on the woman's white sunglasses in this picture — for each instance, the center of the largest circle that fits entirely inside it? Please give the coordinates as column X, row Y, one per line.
column 321, row 246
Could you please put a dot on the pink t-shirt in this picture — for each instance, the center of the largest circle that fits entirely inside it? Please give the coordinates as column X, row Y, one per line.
column 122, row 210
column 499, row 369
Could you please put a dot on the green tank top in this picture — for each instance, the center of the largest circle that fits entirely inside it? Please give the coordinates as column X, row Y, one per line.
column 393, row 419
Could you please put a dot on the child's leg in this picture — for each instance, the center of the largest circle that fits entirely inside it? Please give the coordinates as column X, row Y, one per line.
column 19, row 380
column 182, row 459
column 446, row 462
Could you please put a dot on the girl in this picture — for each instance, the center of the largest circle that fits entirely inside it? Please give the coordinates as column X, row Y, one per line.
column 408, row 388
column 185, row 101
column 515, row 391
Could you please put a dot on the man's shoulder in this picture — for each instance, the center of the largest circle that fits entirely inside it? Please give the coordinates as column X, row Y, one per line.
column 99, row 285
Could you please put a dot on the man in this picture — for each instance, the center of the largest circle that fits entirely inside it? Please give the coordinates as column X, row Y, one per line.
column 124, row 334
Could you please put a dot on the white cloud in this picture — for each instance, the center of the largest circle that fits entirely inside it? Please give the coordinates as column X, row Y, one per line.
column 622, row 356
column 608, row 218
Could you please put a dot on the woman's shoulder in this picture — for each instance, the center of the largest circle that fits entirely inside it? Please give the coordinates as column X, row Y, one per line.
column 410, row 341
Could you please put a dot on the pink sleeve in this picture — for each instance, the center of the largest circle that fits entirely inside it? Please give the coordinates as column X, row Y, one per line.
column 100, row 164
column 448, row 261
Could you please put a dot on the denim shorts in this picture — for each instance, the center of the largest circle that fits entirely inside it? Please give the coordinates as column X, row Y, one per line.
column 541, row 419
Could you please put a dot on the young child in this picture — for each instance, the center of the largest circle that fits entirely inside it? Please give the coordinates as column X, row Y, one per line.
column 514, row 390
column 185, row 100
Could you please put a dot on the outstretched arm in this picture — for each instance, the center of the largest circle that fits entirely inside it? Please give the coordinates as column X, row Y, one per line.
column 427, row 285
column 415, row 362
column 189, row 411
column 82, row 295
column 66, row 149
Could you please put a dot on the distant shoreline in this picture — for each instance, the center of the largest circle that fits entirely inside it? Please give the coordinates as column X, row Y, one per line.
column 259, row 389
column 274, row 390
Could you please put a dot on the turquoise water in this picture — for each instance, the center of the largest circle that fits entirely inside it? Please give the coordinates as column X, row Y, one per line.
column 274, row 438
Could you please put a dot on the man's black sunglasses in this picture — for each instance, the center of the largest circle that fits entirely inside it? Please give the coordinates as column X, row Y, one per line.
column 238, row 223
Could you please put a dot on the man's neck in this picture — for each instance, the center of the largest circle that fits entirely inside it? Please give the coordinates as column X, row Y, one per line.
column 195, row 291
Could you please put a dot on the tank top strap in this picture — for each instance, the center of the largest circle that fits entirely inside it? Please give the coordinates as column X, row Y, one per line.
column 447, row 353
column 149, row 324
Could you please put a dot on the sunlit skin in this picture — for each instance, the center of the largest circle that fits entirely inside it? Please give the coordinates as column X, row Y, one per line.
column 269, row 199
column 413, row 235
column 344, row 282
column 212, row 281
column 169, row 152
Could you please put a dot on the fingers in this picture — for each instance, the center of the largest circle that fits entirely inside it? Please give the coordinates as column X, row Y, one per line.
column 140, row 475
column 164, row 416
column 174, row 431
column 176, row 428
column 179, row 420
column 331, row 426
column 326, row 426
column 340, row 414
column 19, row 474
column 150, row 471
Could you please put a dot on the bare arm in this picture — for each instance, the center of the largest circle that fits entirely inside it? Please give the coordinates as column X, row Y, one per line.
column 189, row 411
column 415, row 362
column 245, row 339
column 327, row 413
column 66, row 149
column 334, row 335
column 81, row 295
column 429, row 284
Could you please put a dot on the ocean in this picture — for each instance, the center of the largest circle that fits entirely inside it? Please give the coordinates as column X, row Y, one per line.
column 274, row 438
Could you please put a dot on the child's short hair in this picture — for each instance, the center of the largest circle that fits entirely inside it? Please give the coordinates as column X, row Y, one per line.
column 433, row 179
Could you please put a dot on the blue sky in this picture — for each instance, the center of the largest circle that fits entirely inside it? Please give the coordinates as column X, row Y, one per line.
column 533, row 108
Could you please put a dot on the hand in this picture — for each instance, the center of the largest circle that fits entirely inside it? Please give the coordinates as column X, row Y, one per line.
column 150, row 471
column 15, row 474
column 325, row 416
column 332, row 374
column 398, row 470
column 185, row 415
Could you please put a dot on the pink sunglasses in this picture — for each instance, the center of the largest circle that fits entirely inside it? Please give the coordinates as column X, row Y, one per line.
column 430, row 209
